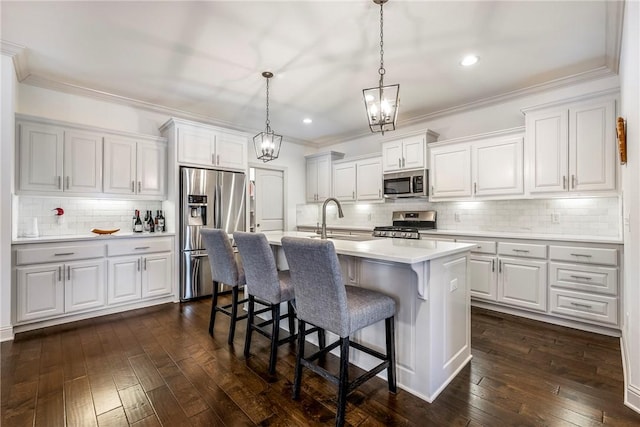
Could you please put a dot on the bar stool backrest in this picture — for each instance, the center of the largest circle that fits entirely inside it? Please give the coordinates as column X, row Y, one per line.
column 259, row 266
column 321, row 297
column 224, row 268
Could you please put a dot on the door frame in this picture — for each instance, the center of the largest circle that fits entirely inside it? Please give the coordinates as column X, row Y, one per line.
column 285, row 192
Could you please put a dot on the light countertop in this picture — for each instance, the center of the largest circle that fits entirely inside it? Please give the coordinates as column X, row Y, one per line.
column 404, row 251
column 86, row 237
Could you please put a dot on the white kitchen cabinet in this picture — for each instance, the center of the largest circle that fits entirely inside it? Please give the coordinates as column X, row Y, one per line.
column 450, row 171
column 55, row 159
column 484, row 277
column 125, row 279
column 344, row 181
column 319, row 179
column 134, row 167
column 497, row 167
column 369, row 179
column 572, row 147
column 405, row 154
column 523, row 283
column 39, row 292
column 198, row 144
column 156, row 275
column 84, row 285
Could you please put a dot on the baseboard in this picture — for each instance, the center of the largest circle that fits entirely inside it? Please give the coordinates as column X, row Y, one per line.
column 632, row 398
column 6, row 333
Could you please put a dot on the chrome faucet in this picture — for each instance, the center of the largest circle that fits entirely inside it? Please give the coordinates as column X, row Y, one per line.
column 323, row 234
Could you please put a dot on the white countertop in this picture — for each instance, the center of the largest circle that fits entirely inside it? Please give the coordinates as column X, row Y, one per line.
column 404, row 251
column 86, row 237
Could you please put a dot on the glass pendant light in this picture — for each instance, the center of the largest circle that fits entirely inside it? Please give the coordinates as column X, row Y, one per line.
column 267, row 143
column 382, row 102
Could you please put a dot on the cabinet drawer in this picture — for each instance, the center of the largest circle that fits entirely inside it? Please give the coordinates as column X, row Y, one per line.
column 522, row 249
column 584, row 278
column 584, row 255
column 597, row 308
column 59, row 253
column 482, row 247
column 139, row 246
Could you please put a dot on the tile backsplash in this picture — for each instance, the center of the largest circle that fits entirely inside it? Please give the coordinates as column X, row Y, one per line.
column 597, row 216
column 80, row 215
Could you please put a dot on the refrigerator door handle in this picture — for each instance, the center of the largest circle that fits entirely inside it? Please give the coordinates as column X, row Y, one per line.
column 217, row 207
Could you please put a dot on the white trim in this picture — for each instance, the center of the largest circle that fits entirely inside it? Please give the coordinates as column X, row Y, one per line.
column 613, row 92
column 481, row 136
column 18, row 55
column 6, row 333
column 632, row 398
column 614, row 25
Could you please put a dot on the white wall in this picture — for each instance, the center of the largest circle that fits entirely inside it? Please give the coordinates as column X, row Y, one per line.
column 7, row 97
column 630, row 110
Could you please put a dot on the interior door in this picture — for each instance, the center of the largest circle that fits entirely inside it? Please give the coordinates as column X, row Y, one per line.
column 269, row 196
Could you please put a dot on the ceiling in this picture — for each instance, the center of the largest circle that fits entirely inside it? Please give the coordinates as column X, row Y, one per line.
column 204, row 59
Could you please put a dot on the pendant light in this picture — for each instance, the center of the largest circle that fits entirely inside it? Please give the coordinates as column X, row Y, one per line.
column 382, row 102
column 267, row 143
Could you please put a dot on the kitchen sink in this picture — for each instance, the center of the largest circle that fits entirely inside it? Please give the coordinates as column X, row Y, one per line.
column 351, row 237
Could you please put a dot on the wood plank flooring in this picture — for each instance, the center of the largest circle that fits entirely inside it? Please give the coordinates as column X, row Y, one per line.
column 159, row 367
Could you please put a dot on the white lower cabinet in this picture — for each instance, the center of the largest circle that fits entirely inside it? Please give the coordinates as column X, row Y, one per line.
column 156, row 275
column 523, row 283
column 484, row 277
column 84, row 285
column 40, row 292
column 134, row 277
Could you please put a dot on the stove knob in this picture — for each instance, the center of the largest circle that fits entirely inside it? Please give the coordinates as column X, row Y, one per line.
column 393, row 234
column 405, row 235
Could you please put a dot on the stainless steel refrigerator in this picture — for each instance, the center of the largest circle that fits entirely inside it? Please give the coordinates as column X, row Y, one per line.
column 212, row 199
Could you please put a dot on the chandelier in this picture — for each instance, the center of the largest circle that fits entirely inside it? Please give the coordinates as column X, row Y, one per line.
column 382, row 102
column 267, row 143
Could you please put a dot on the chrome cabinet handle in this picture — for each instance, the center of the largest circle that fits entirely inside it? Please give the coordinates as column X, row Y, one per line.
column 59, row 182
column 213, row 159
column 399, row 162
column 138, row 264
column 68, row 273
column 575, row 304
column 218, row 159
column 139, row 186
column 581, row 277
column 586, row 256
column 475, row 188
column 521, row 251
column 59, row 273
column 379, row 193
column 493, row 265
column 573, row 181
column 353, row 195
column 499, row 266
column 133, row 186
column 403, row 161
column 67, row 179
column 63, row 253
column 145, row 264
column 142, row 247
column 432, row 190
column 564, row 182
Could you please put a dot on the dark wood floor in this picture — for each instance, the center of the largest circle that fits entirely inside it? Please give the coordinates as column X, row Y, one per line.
column 159, row 366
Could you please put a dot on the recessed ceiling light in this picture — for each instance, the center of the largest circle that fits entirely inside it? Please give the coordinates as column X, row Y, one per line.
column 307, row 120
column 469, row 60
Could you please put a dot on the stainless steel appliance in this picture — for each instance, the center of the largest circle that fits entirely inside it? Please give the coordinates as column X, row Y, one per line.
column 407, row 224
column 208, row 198
column 406, row 184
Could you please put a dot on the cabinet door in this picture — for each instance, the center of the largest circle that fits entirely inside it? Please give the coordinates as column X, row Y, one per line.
column 413, row 153
column 484, row 277
column 451, row 171
column 120, row 166
column 344, row 181
column 156, row 275
column 547, row 141
column 231, row 151
column 369, row 179
column 82, row 162
column 84, row 285
column 151, row 168
column 312, row 180
column 523, row 283
column 124, row 279
column 324, row 178
column 498, row 167
column 40, row 155
column 196, row 145
column 592, row 147
column 39, row 292
column 392, row 156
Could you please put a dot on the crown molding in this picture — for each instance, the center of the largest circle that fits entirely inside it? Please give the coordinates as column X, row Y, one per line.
column 18, row 54
column 613, row 31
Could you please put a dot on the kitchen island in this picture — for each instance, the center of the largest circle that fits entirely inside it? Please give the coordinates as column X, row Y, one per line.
column 430, row 284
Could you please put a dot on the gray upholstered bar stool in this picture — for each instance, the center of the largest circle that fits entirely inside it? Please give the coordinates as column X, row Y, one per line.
column 267, row 286
column 323, row 300
column 224, row 269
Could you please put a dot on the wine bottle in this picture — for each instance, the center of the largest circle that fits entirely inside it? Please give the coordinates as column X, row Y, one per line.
column 138, row 225
column 161, row 224
column 145, row 223
column 133, row 221
column 152, row 225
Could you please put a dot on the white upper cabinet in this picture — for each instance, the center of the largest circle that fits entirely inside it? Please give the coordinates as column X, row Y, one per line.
column 572, row 147
column 406, row 153
column 480, row 166
column 369, row 179
column 319, row 174
column 55, row 159
column 344, row 181
column 134, row 168
column 207, row 146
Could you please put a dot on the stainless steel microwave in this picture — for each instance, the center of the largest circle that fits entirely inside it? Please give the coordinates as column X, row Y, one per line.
column 406, row 184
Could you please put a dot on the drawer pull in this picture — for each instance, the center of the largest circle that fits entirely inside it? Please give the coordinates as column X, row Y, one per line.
column 586, row 256
column 63, row 253
column 142, row 247
column 524, row 251
column 576, row 304
column 581, row 277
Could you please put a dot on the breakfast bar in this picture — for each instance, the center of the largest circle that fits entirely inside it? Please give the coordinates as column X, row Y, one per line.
column 429, row 281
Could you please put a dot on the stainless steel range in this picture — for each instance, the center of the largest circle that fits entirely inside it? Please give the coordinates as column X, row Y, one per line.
column 407, row 224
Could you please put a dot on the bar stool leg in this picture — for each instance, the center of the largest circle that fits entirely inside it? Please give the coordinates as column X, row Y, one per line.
column 297, row 379
column 214, row 305
column 275, row 336
column 234, row 314
column 291, row 318
column 250, row 320
column 343, row 382
column 391, row 353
